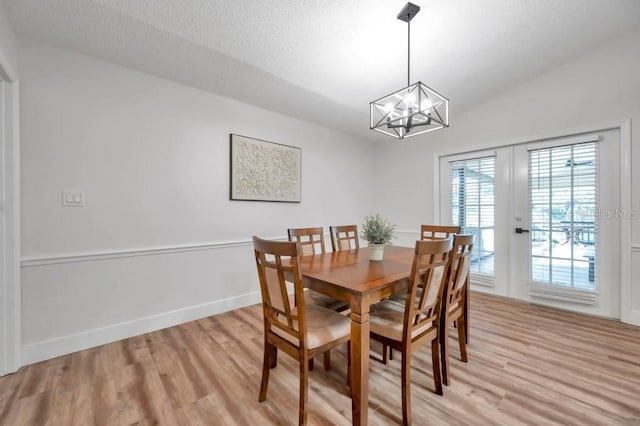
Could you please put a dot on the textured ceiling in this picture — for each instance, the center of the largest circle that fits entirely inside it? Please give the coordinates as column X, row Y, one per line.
column 325, row 60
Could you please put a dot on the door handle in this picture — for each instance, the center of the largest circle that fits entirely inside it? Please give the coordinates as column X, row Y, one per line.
column 520, row 231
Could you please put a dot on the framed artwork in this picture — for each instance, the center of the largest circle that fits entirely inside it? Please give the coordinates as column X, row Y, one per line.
column 264, row 171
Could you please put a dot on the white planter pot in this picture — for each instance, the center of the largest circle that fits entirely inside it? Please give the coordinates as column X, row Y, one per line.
column 376, row 251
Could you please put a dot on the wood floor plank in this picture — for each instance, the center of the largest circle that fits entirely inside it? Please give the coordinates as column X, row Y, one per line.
column 528, row 365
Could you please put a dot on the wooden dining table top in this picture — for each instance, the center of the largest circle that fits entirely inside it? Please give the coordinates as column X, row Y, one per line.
column 353, row 272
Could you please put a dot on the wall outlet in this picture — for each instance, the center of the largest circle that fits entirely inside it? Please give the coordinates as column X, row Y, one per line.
column 73, row 198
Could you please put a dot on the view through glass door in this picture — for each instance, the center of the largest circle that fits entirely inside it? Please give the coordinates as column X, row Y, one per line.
column 473, row 189
column 544, row 216
column 473, row 208
column 563, row 194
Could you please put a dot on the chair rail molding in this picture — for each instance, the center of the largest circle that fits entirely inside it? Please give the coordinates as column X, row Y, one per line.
column 89, row 256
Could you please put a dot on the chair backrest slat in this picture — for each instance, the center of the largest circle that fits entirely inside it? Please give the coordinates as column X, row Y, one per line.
column 438, row 232
column 344, row 237
column 311, row 240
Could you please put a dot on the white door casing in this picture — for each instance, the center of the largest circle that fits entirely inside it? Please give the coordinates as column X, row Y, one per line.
column 10, row 343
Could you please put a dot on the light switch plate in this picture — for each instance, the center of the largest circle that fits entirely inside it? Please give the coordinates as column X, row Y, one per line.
column 72, row 198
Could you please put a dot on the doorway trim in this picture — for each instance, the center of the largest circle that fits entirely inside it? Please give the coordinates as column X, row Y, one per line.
column 10, row 346
column 627, row 313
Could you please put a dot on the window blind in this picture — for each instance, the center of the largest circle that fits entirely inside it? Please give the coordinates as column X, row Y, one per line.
column 563, row 184
column 472, row 185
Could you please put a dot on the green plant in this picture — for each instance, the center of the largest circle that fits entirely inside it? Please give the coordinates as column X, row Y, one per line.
column 377, row 230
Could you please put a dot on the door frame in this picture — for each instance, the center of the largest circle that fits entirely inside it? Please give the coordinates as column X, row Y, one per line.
column 627, row 314
column 10, row 302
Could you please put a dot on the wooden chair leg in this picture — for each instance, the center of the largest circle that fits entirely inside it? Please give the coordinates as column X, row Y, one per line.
column 310, row 364
column 390, row 353
column 274, row 356
column 304, row 389
column 406, row 388
column 444, row 351
column 385, row 353
column 437, row 378
column 327, row 360
column 462, row 338
column 266, row 367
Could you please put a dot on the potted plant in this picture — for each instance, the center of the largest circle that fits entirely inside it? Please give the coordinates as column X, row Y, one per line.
column 378, row 232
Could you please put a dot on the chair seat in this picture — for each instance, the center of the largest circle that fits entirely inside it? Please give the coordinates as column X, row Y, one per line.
column 387, row 320
column 323, row 326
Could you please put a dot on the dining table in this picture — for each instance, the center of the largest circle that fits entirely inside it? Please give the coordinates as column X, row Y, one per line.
column 351, row 277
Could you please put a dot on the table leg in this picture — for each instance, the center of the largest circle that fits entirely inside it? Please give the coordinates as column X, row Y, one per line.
column 359, row 363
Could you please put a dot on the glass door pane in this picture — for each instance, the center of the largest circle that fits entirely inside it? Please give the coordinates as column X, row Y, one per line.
column 472, row 185
column 563, row 204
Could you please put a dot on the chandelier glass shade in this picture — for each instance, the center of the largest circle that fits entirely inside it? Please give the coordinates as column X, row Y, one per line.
column 413, row 110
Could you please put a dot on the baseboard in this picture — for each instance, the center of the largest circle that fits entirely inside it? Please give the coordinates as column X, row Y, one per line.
column 634, row 318
column 41, row 351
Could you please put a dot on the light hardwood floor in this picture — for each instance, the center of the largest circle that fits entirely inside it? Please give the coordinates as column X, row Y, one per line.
column 527, row 365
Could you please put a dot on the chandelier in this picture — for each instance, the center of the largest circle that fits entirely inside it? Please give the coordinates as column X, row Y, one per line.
column 415, row 109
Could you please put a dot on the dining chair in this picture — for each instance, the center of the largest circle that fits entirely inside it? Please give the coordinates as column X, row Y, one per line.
column 344, row 237
column 311, row 242
column 299, row 329
column 427, row 232
column 434, row 232
column 453, row 300
column 437, row 232
column 407, row 328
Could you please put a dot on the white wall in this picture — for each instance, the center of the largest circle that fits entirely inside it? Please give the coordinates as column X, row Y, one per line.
column 600, row 87
column 158, row 241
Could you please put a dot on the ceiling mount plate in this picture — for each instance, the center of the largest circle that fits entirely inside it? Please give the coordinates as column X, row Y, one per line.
column 408, row 12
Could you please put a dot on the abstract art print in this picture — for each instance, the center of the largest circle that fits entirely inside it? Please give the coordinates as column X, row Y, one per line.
column 264, row 171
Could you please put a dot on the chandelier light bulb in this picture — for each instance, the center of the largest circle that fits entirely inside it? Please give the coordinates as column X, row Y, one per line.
column 388, row 108
column 409, row 99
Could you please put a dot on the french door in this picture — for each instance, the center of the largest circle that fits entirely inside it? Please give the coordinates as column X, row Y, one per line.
column 546, row 219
